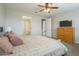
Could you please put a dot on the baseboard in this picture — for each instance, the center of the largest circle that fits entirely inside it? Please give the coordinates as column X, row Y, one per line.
column 76, row 42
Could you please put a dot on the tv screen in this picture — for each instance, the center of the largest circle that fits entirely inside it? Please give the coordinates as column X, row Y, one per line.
column 65, row 23
column 1, row 29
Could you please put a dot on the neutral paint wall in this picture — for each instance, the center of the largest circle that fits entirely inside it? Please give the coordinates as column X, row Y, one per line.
column 1, row 15
column 71, row 15
column 14, row 19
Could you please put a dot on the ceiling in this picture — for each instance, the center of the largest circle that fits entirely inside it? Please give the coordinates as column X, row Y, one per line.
column 32, row 8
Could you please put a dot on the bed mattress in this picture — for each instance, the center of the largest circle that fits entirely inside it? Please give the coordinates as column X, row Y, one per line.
column 39, row 46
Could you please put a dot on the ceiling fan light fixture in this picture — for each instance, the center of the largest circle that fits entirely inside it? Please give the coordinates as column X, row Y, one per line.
column 47, row 7
column 47, row 10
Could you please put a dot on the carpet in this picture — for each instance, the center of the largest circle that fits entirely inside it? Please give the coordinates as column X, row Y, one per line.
column 73, row 50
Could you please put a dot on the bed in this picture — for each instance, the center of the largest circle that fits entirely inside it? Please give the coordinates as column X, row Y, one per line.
column 39, row 46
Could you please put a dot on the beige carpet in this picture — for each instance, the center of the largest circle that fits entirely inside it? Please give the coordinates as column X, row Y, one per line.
column 73, row 50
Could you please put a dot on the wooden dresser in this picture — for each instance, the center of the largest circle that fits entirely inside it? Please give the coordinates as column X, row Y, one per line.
column 66, row 34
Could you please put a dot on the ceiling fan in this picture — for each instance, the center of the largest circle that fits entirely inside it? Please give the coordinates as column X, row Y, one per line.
column 47, row 7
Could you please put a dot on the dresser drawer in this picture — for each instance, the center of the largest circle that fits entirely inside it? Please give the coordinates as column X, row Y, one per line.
column 61, row 37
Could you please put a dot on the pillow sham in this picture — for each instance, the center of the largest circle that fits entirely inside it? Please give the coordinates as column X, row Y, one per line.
column 15, row 40
column 5, row 45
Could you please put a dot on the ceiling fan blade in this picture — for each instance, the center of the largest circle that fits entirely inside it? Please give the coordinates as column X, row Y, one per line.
column 41, row 10
column 41, row 6
column 53, row 7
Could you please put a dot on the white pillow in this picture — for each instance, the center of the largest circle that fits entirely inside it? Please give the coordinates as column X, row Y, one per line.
column 8, row 29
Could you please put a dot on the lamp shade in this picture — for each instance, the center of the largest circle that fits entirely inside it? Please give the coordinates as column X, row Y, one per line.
column 8, row 29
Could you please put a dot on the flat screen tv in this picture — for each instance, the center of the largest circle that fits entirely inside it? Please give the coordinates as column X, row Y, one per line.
column 65, row 23
column 1, row 29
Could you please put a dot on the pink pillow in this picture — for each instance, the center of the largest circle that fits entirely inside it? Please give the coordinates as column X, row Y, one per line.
column 5, row 45
column 15, row 40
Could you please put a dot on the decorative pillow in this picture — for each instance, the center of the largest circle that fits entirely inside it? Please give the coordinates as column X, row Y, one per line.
column 5, row 45
column 15, row 40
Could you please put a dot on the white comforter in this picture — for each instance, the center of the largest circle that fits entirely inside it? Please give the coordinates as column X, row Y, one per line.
column 39, row 46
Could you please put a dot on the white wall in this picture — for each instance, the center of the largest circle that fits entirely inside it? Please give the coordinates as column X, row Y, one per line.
column 1, row 15
column 71, row 15
column 14, row 19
